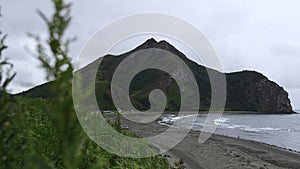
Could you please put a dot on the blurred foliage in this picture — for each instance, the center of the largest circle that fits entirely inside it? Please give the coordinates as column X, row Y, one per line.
column 45, row 132
column 35, row 141
column 53, row 55
column 6, row 76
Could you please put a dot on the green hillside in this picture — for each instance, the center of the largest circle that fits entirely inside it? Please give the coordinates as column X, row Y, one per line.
column 246, row 90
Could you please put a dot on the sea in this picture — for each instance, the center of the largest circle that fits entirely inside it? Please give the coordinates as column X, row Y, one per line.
column 278, row 130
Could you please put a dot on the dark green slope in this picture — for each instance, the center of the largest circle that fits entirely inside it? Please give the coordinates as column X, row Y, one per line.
column 246, row 90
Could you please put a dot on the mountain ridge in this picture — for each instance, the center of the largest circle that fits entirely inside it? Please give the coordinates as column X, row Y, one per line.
column 246, row 90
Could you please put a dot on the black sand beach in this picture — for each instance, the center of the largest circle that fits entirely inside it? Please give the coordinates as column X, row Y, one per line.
column 221, row 152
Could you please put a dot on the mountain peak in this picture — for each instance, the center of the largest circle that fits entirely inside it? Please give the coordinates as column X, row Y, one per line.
column 163, row 44
column 150, row 43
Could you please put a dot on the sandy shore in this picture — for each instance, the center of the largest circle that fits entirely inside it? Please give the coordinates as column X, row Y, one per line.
column 222, row 152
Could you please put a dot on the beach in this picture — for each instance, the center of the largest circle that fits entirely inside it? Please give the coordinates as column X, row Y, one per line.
column 221, row 151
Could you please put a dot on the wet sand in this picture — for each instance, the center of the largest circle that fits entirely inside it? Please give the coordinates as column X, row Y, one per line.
column 221, row 152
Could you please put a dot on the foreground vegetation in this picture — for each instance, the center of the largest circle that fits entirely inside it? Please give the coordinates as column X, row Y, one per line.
column 45, row 133
column 32, row 138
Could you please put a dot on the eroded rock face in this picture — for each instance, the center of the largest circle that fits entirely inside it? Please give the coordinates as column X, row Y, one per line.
column 268, row 97
column 253, row 91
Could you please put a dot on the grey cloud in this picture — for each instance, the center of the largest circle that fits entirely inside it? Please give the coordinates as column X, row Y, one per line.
column 287, row 50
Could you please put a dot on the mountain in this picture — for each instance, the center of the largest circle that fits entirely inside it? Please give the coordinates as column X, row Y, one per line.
column 246, row 90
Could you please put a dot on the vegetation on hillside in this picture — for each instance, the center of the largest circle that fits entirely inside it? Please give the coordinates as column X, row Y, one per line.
column 246, row 90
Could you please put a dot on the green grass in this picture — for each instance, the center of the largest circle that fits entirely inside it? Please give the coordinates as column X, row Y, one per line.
column 31, row 137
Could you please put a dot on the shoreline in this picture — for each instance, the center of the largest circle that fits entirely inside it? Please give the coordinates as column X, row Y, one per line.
column 257, row 142
column 220, row 151
column 227, row 152
column 240, row 113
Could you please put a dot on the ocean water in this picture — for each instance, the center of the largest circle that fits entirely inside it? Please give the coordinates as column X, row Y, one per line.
column 279, row 130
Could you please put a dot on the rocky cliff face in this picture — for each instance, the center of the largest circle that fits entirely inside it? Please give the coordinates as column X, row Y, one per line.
column 257, row 93
column 268, row 97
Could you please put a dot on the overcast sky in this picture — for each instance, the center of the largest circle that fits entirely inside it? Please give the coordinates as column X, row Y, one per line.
column 248, row 34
